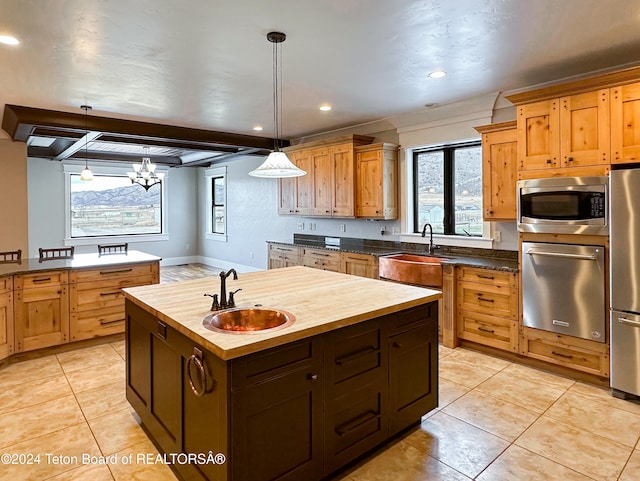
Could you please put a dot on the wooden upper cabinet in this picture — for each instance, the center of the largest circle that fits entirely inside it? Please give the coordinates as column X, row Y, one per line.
column 304, row 184
column 499, row 170
column 343, row 180
column 625, row 124
column 321, row 180
column 584, row 129
column 376, row 181
column 538, row 135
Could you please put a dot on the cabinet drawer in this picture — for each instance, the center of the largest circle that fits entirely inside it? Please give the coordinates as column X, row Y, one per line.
column 284, row 250
column 561, row 350
column 45, row 278
column 410, row 319
column 97, row 322
column 91, row 299
column 6, row 284
column 488, row 330
column 112, row 272
column 487, row 276
column 324, row 264
column 493, row 300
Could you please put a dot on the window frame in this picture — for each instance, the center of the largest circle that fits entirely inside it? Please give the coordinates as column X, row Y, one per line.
column 210, row 174
column 119, row 171
column 449, row 220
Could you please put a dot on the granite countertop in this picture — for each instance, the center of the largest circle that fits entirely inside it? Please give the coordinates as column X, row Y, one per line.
column 79, row 261
column 482, row 258
column 321, row 301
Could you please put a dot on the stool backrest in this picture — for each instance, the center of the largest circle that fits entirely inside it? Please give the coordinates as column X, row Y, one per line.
column 106, row 249
column 56, row 253
column 10, row 256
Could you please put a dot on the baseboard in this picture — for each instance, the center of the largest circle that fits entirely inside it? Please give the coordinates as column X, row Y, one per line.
column 176, row 261
column 207, row 261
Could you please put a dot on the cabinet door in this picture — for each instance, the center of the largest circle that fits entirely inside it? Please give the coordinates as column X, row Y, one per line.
column 499, row 174
column 369, row 176
column 359, row 265
column 584, row 129
column 413, row 375
column 625, row 123
column 287, row 196
column 304, row 184
column 321, row 182
column 41, row 317
column 6, row 324
column 539, row 135
column 343, row 183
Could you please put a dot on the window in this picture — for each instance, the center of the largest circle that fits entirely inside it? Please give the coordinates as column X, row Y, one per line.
column 110, row 205
column 216, row 178
column 448, row 189
column 217, row 205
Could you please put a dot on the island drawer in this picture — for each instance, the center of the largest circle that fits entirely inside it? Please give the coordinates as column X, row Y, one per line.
column 144, row 272
column 263, row 366
column 41, row 279
column 412, row 318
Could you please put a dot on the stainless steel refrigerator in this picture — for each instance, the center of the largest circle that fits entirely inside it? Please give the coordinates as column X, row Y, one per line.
column 624, row 217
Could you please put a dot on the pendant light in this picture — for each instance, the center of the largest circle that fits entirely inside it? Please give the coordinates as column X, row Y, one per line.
column 145, row 174
column 277, row 164
column 86, row 173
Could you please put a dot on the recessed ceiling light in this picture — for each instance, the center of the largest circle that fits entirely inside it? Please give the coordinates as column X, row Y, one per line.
column 437, row 74
column 8, row 40
column 258, row 128
column 325, row 107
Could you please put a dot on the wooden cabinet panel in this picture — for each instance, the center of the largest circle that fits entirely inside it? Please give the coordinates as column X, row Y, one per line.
column 304, row 184
column 321, row 259
column 625, row 124
column 322, row 179
column 487, row 276
column 40, row 279
column 144, row 272
column 363, row 265
column 343, row 180
column 6, row 324
column 376, row 181
column 489, row 330
column 287, row 196
column 496, row 300
column 539, row 135
column 283, row 256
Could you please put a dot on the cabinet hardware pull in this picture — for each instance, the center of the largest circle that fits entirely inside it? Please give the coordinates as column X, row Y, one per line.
column 480, row 298
column 110, row 293
column 624, row 320
column 485, row 277
column 548, row 161
column 198, row 361
column 42, row 279
column 356, row 355
column 104, row 323
column 356, row 423
column 484, row 329
column 567, row 356
column 312, row 377
column 115, row 272
column 570, row 159
column 581, row 257
column 397, row 344
column 162, row 330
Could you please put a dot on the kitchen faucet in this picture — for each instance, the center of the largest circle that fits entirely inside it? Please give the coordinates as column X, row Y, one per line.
column 424, row 233
column 224, row 303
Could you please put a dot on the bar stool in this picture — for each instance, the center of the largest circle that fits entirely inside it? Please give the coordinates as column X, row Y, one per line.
column 56, row 253
column 10, row 256
column 106, row 249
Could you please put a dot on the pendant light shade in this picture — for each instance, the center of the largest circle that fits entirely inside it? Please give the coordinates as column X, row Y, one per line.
column 86, row 173
column 277, row 164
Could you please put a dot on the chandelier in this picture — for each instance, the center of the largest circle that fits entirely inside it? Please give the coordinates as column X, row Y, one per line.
column 144, row 173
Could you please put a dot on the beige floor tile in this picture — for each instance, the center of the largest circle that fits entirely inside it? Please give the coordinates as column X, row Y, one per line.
column 91, row 356
column 23, row 424
column 449, row 391
column 117, row 431
column 631, row 471
column 518, row 464
column 479, row 359
column 457, row 444
column 65, row 446
column 539, row 376
column 103, row 400
column 463, row 372
column 575, row 448
column 33, row 392
column 493, row 415
column 27, row 371
column 403, row 462
column 94, row 377
column 603, row 395
column 139, row 471
column 444, row 351
column 92, row 472
column 593, row 416
column 527, row 393
column 121, row 348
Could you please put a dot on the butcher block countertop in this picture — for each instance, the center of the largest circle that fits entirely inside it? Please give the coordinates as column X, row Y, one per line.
column 321, row 301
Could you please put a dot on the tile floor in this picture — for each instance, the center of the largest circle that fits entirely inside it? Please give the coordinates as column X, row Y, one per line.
column 496, row 421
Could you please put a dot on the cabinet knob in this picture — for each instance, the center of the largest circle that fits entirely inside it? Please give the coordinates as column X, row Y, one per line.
column 312, row 377
column 548, row 161
column 397, row 344
column 570, row 159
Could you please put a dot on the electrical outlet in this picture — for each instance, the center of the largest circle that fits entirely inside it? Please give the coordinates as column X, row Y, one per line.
column 300, row 225
column 343, row 227
column 497, row 236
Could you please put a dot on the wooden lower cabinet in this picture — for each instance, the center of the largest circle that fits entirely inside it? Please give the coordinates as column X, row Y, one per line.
column 298, row 411
column 41, row 310
column 283, row 256
column 321, row 259
column 6, row 317
column 363, row 265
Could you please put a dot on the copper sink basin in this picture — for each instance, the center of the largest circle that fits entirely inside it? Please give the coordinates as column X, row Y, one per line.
column 412, row 269
column 248, row 320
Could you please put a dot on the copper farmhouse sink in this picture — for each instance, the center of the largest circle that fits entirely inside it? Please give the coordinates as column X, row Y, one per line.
column 248, row 320
column 412, row 269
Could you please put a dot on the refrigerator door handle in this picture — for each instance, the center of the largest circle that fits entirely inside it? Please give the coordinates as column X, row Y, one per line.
column 562, row 254
column 624, row 320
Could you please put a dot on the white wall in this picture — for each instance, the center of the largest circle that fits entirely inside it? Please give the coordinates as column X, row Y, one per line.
column 46, row 200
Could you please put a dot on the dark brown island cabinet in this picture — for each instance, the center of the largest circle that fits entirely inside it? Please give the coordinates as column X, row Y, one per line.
column 300, row 411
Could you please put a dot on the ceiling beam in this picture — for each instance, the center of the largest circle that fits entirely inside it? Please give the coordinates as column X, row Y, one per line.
column 78, row 145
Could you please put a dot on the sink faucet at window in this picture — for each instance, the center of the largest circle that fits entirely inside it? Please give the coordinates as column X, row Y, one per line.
column 424, row 233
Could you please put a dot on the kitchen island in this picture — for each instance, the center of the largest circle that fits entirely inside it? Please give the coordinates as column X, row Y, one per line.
column 358, row 365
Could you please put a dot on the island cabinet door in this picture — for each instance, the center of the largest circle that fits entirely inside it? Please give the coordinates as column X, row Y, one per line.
column 413, row 366
column 356, row 392
column 276, row 414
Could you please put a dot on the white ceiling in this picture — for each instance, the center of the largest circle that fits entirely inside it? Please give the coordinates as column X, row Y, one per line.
column 207, row 63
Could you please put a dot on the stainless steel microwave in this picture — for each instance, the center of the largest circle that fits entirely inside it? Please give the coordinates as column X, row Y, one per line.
column 563, row 205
